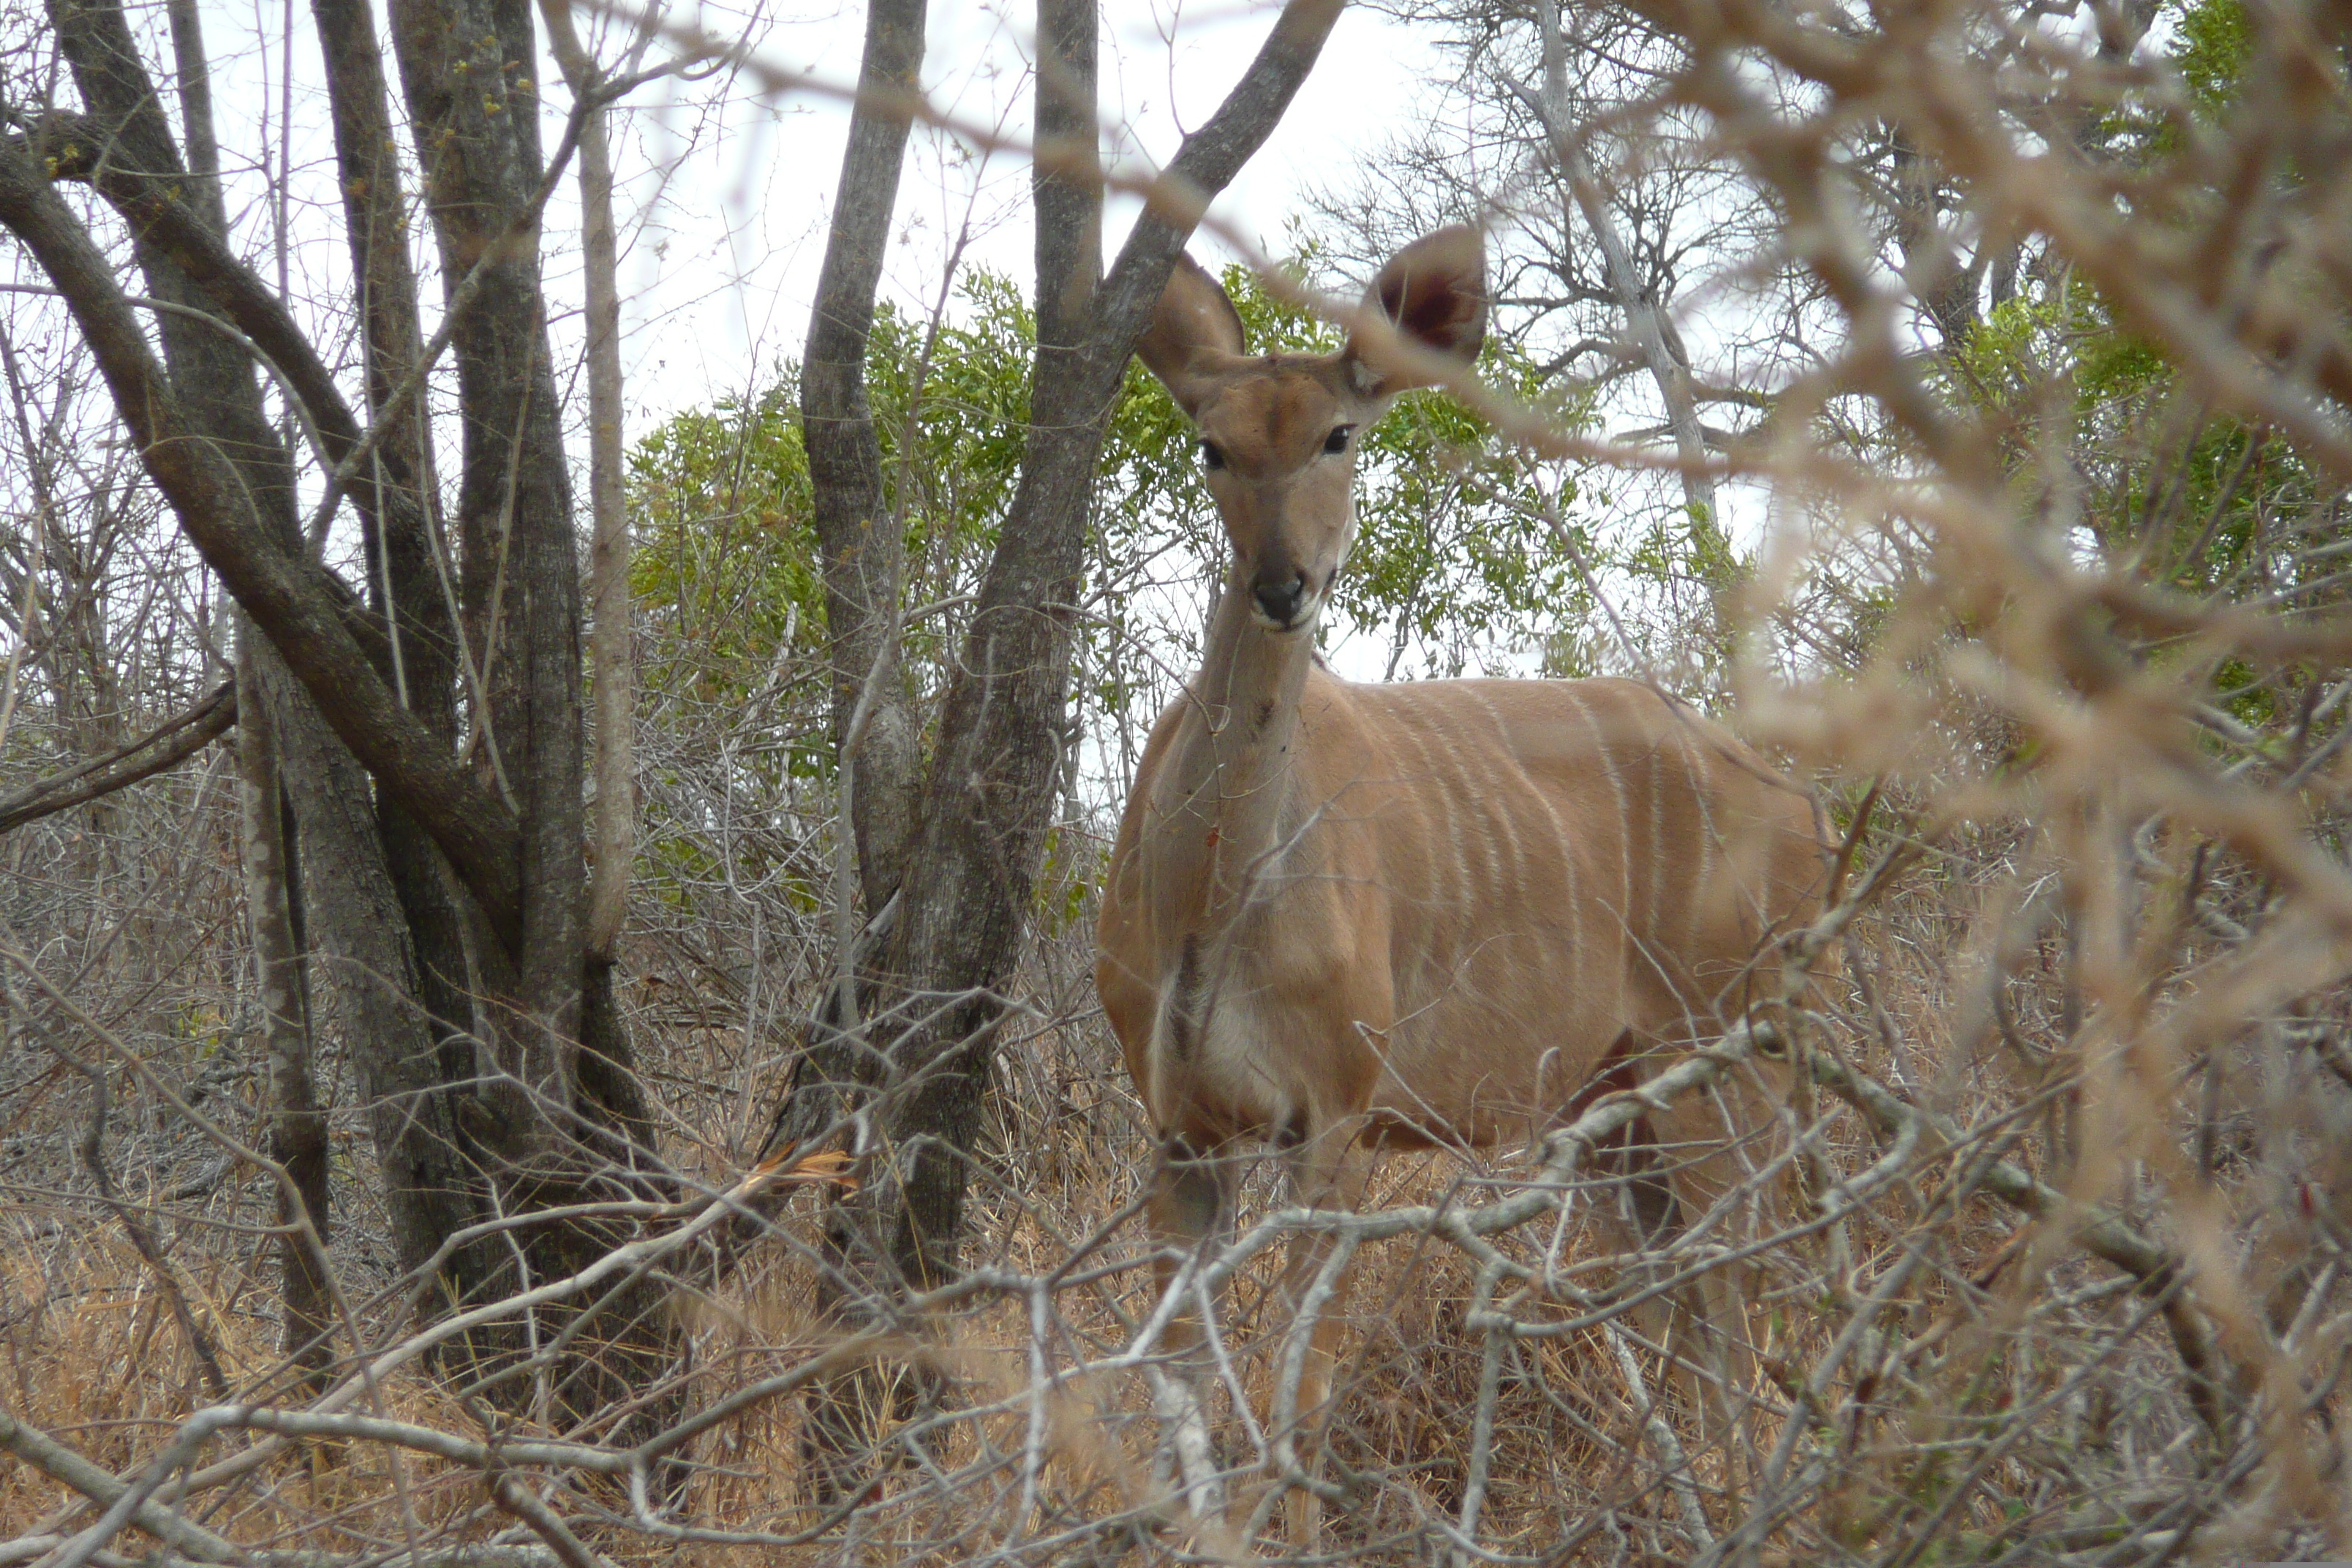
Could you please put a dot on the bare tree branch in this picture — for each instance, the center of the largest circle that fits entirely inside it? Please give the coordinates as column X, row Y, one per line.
column 160, row 750
column 284, row 594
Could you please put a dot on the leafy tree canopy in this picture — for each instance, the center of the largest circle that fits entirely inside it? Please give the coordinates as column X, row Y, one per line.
column 1453, row 551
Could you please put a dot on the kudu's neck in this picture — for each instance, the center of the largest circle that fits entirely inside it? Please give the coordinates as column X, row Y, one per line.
column 1249, row 680
column 1232, row 768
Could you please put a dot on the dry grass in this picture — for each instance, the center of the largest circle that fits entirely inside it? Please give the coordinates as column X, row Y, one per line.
column 2004, row 1339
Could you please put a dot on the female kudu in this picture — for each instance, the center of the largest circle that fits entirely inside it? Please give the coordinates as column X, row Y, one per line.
column 1339, row 916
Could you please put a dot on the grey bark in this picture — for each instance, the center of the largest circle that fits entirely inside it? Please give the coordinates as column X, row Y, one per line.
column 358, row 927
column 195, row 81
column 359, row 932
column 465, row 68
column 408, row 588
column 74, row 147
column 605, row 1051
column 298, row 1128
column 861, row 548
column 877, row 745
column 561, row 1123
column 212, row 378
column 874, row 728
column 612, row 664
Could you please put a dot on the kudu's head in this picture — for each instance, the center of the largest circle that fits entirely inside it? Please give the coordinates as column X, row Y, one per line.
column 1279, row 432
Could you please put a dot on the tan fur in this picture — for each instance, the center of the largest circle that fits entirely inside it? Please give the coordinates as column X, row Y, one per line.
column 1465, row 892
column 1342, row 915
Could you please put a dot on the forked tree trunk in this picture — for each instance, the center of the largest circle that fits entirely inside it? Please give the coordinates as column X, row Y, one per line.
column 990, row 790
column 467, row 67
column 989, row 787
column 557, row 1125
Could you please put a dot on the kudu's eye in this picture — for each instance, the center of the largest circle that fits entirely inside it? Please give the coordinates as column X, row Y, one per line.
column 1211, row 456
column 1337, row 441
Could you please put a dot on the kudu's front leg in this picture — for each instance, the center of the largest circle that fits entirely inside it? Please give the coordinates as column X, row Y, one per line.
column 1328, row 1171
column 1191, row 1213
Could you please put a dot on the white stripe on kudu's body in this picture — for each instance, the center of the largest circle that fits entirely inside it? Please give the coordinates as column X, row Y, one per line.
column 1340, row 915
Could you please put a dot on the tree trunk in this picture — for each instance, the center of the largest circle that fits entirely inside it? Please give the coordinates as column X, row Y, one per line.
column 861, row 547
column 406, row 554
column 466, row 65
column 604, row 1077
column 860, row 543
column 561, row 1125
column 359, row 935
column 237, row 519
column 213, row 378
column 861, row 555
column 426, row 1162
column 298, row 1128
column 613, row 672
column 991, row 785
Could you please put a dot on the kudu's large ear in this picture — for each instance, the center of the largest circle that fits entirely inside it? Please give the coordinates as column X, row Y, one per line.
column 1434, row 292
column 1195, row 332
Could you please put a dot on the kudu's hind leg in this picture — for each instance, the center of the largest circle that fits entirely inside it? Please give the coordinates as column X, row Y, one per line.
column 1672, row 1168
column 1714, row 1150
column 1191, row 1212
column 1328, row 1171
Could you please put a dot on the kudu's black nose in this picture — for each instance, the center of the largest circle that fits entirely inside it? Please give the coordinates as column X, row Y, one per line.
column 1280, row 601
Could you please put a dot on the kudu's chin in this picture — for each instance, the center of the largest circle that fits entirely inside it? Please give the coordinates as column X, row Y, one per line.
column 1303, row 621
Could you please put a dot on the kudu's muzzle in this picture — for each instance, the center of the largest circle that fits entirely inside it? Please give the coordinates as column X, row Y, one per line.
column 1280, row 589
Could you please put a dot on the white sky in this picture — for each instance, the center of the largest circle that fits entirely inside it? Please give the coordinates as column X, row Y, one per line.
column 721, row 280
column 726, row 196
